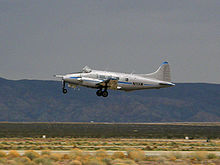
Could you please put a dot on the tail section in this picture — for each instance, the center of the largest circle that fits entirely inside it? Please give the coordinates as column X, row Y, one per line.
column 163, row 73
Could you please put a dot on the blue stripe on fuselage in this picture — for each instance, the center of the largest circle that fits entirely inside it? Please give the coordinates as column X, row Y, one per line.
column 92, row 80
column 74, row 77
column 122, row 82
column 147, row 84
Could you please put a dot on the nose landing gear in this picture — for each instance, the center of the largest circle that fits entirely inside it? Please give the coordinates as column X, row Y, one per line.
column 64, row 89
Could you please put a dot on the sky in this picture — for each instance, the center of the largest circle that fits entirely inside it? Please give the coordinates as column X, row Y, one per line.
column 41, row 38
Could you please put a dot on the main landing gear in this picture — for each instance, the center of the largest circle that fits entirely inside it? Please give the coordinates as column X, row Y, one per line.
column 102, row 93
column 64, row 89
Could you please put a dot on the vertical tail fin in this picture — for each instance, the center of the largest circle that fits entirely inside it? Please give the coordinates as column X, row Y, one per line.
column 163, row 73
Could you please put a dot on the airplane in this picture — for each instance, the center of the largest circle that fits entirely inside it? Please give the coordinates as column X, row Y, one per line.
column 104, row 80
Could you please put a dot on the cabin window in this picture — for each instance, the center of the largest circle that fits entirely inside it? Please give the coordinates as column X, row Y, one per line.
column 116, row 78
column 126, row 79
column 92, row 76
column 138, row 83
column 102, row 77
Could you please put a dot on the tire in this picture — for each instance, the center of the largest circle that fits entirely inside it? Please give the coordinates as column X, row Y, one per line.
column 99, row 93
column 64, row 91
column 104, row 93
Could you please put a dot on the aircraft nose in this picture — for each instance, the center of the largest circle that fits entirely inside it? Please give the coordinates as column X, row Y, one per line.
column 171, row 84
column 65, row 77
column 167, row 84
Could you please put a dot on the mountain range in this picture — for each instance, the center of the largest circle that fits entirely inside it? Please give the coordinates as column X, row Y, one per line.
column 43, row 101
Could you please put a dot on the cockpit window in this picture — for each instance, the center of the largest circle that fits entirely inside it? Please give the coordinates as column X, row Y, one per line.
column 86, row 69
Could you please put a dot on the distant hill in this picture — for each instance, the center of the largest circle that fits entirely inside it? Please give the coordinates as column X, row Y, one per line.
column 36, row 100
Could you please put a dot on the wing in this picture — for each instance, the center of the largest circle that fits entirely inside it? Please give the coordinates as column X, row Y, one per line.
column 110, row 83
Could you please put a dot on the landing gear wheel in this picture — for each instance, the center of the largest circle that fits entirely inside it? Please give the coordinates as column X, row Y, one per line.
column 64, row 91
column 104, row 93
column 99, row 93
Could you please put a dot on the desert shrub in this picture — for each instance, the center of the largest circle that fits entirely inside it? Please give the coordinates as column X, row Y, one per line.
column 12, row 162
column 119, row 155
column 43, row 161
column 136, row 155
column 1, row 146
column 75, row 153
column 18, row 161
column 119, row 164
column 29, row 163
column 130, row 162
column 94, row 162
column 173, row 156
column 178, row 155
column 75, row 162
column 45, row 152
column 200, row 155
column 102, row 154
column 211, row 156
column 31, row 154
column 13, row 154
column 3, row 161
column 85, row 158
column 54, row 157
column 161, row 159
column 107, row 161
column 122, row 162
column 65, row 156
column 22, row 160
column 2, row 154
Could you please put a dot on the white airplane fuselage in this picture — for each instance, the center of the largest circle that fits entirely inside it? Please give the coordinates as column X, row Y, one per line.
column 126, row 82
column 104, row 80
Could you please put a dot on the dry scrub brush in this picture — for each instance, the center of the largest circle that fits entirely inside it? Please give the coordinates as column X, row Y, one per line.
column 13, row 154
column 75, row 162
column 123, row 162
column 45, row 152
column 2, row 154
column 31, row 155
column 136, row 155
column 118, row 155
